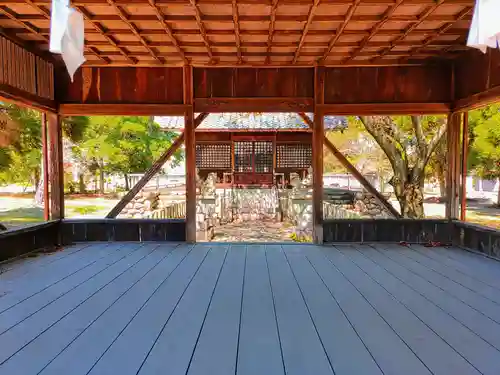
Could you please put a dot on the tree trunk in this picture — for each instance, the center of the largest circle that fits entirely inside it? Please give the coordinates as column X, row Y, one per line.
column 101, row 181
column 442, row 182
column 411, row 199
column 498, row 196
column 81, row 183
column 127, row 186
column 36, row 177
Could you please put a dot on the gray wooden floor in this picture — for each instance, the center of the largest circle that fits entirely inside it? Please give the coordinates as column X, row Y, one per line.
column 250, row 309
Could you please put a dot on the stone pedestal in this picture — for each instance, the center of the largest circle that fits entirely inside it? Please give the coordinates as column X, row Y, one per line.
column 205, row 218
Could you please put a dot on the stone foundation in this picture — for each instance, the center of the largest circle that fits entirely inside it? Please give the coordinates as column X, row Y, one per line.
column 142, row 206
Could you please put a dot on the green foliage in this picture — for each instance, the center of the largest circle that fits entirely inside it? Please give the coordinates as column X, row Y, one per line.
column 484, row 156
column 127, row 144
column 85, row 210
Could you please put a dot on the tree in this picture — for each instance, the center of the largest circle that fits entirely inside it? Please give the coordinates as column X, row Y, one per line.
column 408, row 144
column 122, row 145
column 484, row 157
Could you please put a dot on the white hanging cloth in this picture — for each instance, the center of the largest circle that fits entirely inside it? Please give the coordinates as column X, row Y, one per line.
column 485, row 27
column 67, row 35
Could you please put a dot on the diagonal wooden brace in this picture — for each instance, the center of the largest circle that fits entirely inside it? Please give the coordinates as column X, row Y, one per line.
column 151, row 172
column 351, row 168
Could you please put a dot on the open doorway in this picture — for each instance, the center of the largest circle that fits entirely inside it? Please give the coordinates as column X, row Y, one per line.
column 254, row 177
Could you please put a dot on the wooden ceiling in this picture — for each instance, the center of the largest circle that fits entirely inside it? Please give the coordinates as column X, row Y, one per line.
column 254, row 32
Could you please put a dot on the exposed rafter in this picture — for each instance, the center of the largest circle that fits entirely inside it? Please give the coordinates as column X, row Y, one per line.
column 386, row 17
column 203, row 33
column 236, row 23
column 340, row 30
column 168, row 30
column 46, row 15
column 97, row 26
column 412, row 27
column 270, row 36
column 306, row 29
column 124, row 17
column 440, row 32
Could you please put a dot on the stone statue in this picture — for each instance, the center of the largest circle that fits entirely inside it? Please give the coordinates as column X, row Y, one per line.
column 307, row 181
column 208, row 186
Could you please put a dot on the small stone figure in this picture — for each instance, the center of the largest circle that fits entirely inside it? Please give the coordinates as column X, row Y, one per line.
column 307, row 181
column 208, row 186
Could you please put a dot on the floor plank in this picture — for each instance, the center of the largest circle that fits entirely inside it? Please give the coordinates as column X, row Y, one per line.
column 12, row 269
column 126, row 354
column 303, row 351
column 467, row 263
column 82, row 353
column 31, row 305
column 42, row 278
column 474, row 319
column 216, row 309
column 391, row 353
column 438, row 356
column 217, row 347
column 480, row 354
column 21, row 334
column 468, row 296
column 34, row 356
column 259, row 344
column 172, row 352
column 469, row 282
column 347, row 352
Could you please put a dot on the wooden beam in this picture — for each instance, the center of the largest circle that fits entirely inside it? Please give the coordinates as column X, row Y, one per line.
column 317, row 155
column 421, row 18
column 440, row 31
column 168, row 30
column 190, row 154
column 481, row 99
column 122, row 109
column 272, row 22
column 56, row 170
column 353, row 170
column 385, row 18
column 45, row 169
column 45, row 15
column 465, row 152
column 310, row 17
column 386, row 109
column 340, row 30
column 103, row 32
column 199, row 22
column 24, row 98
column 453, row 162
column 151, row 172
column 236, row 25
column 124, row 17
column 253, row 104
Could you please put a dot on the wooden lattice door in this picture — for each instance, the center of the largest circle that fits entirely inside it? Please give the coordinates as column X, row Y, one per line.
column 253, row 162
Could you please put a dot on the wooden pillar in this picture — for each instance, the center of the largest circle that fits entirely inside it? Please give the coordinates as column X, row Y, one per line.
column 465, row 152
column 189, row 139
column 317, row 156
column 56, row 172
column 453, row 175
column 45, row 167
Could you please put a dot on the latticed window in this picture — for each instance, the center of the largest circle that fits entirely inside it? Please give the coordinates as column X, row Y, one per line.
column 243, row 156
column 213, row 156
column 263, row 157
column 293, row 155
